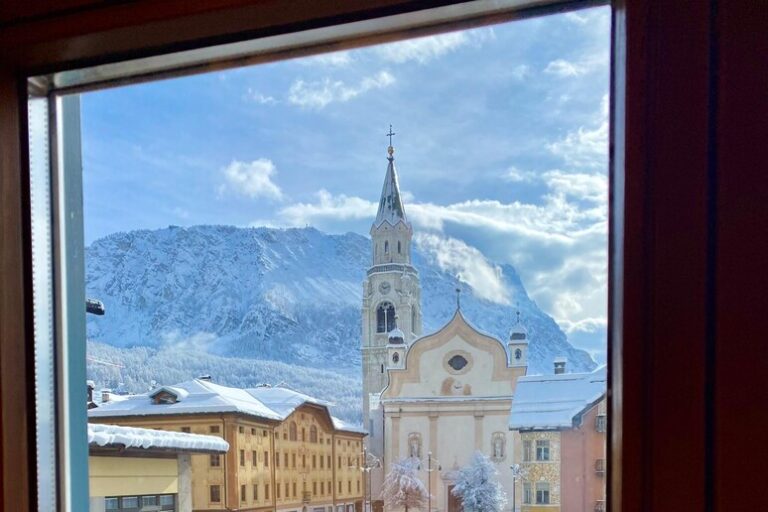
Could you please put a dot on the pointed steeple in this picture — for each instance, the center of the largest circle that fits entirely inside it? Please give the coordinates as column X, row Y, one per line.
column 391, row 207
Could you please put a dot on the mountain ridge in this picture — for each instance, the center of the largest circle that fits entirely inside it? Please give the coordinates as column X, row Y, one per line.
column 290, row 296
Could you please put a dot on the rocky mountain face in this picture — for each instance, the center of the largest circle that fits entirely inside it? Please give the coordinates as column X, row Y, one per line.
column 290, row 296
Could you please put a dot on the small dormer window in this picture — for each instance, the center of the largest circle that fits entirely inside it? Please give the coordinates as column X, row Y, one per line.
column 518, row 354
column 395, row 358
column 164, row 397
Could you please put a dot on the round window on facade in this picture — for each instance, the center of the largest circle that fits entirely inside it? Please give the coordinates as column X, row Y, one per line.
column 395, row 358
column 457, row 362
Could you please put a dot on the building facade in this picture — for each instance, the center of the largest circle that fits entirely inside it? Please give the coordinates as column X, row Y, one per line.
column 133, row 469
column 561, row 420
column 286, row 451
column 449, row 395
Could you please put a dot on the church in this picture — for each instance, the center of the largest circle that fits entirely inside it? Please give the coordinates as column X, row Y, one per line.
column 437, row 397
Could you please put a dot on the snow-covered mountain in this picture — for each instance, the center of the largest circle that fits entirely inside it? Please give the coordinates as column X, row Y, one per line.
column 286, row 295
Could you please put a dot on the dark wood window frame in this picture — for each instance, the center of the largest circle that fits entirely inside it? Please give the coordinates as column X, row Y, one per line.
column 677, row 126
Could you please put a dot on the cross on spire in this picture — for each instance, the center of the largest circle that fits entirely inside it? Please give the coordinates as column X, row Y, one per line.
column 390, row 134
column 458, row 291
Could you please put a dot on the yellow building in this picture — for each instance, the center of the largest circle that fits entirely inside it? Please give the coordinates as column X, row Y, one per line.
column 287, row 453
column 140, row 469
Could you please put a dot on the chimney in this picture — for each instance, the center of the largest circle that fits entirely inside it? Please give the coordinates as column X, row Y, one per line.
column 91, row 386
column 105, row 395
column 560, row 363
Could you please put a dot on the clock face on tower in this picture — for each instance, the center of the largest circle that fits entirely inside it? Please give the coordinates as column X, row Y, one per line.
column 384, row 287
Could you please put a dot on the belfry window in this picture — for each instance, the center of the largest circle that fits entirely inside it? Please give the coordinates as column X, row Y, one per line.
column 385, row 317
column 386, row 247
column 398, row 247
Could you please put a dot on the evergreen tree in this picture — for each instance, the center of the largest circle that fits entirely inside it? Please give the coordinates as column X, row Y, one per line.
column 478, row 487
column 402, row 487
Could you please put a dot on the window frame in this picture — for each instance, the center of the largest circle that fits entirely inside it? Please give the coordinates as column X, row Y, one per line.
column 69, row 479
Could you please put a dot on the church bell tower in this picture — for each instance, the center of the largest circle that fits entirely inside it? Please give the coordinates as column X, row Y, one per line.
column 391, row 291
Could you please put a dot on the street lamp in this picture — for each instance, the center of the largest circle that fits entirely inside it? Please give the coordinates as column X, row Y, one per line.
column 517, row 472
column 370, row 462
column 429, row 478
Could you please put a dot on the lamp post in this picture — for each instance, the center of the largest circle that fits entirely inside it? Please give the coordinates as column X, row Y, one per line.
column 517, row 472
column 370, row 462
column 429, row 479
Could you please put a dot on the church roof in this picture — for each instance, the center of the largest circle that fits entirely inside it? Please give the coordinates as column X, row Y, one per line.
column 391, row 207
column 552, row 402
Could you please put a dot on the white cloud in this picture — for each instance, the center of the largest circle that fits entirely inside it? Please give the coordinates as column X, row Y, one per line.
column 328, row 206
column 521, row 72
column 577, row 18
column 424, row 49
column 516, row 175
column 335, row 59
column 320, row 93
column 251, row 179
column 260, row 98
column 458, row 258
column 558, row 243
column 564, row 68
column 586, row 146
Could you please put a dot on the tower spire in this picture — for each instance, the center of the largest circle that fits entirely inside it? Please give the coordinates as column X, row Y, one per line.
column 391, row 204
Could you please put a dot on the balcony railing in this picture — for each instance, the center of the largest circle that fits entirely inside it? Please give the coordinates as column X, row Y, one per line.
column 600, row 466
column 601, row 423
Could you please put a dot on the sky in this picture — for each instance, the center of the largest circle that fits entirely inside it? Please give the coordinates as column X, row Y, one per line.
column 501, row 148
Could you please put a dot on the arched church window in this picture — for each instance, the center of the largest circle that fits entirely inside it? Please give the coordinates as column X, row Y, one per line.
column 385, row 317
column 518, row 354
column 398, row 247
column 386, row 247
column 292, row 431
column 313, row 434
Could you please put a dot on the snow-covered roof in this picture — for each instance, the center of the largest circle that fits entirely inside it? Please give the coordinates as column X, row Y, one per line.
column 203, row 396
column 283, row 401
column 550, row 402
column 391, row 207
column 396, row 334
column 344, row 426
column 132, row 437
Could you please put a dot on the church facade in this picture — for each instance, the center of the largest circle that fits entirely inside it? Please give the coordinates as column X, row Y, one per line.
column 438, row 397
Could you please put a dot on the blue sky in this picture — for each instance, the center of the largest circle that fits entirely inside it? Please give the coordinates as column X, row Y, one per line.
column 501, row 148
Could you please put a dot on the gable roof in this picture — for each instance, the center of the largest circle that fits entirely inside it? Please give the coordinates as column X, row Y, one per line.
column 553, row 402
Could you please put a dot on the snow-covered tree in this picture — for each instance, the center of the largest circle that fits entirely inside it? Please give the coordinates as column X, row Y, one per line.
column 402, row 487
column 478, row 487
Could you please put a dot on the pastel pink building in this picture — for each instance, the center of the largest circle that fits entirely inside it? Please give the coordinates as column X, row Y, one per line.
column 561, row 420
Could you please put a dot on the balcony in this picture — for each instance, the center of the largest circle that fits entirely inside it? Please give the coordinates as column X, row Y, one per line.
column 600, row 467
